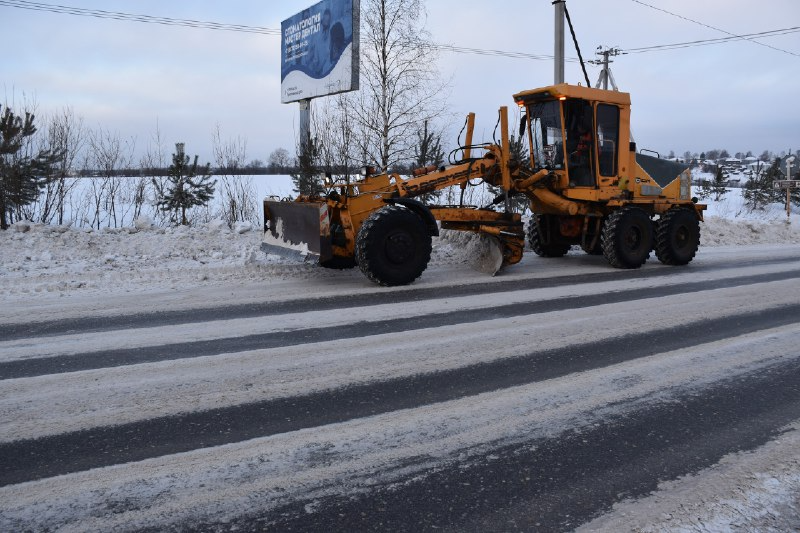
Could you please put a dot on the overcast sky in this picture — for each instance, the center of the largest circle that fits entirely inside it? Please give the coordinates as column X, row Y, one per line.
column 129, row 76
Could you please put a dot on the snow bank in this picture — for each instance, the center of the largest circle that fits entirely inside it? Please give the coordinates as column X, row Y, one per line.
column 38, row 258
column 724, row 232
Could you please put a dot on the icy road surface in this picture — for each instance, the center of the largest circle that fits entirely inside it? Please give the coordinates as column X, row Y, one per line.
column 559, row 394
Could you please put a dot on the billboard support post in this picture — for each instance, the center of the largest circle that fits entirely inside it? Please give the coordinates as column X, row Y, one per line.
column 305, row 123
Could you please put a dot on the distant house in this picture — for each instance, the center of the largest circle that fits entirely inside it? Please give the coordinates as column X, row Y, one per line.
column 755, row 166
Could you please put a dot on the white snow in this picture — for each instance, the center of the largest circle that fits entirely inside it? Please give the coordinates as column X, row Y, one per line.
column 369, row 453
column 757, row 490
column 39, row 260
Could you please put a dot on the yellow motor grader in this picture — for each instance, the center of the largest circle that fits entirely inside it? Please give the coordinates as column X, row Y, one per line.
column 586, row 185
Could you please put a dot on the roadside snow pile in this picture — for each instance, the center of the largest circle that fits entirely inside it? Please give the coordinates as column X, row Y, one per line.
column 37, row 258
column 718, row 231
column 42, row 258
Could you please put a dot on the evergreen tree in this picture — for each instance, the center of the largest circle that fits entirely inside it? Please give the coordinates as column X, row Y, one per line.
column 306, row 180
column 185, row 187
column 22, row 175
column 705, row 190
column 428, row 151
column 518, row 154
column 719, row 186
column 758, row 191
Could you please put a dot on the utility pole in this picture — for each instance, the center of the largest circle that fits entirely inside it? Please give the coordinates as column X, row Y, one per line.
column 605, row 74
column 789, row 161
column 559, row 42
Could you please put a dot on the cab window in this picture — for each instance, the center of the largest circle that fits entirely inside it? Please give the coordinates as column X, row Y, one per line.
column 547, row 143
column 607, row 138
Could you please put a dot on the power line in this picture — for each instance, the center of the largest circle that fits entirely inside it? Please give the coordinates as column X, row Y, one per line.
column 241, row 28
column 706, row 42
column 166, row 21
column 148, row 19
column 714, row 28
column 500, row 53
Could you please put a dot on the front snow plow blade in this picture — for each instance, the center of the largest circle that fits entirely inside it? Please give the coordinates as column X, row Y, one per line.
column 297, row 230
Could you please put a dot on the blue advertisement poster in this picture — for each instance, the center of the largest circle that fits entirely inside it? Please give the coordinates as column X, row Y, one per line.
column 319, row 51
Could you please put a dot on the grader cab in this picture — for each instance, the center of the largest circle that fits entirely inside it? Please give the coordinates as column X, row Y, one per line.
column 585, row 183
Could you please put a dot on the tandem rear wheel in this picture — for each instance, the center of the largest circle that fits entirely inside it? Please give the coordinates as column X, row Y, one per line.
column 627, row 238
column 677, row 236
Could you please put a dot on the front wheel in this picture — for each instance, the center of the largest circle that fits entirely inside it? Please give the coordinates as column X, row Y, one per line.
column 393, row 246
column 677, row 237
column 627, row 238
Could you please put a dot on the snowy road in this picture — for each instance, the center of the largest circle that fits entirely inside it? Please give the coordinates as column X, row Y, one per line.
column 536, row 400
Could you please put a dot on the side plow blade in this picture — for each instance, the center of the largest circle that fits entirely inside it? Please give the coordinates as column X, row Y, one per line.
column 297, row 230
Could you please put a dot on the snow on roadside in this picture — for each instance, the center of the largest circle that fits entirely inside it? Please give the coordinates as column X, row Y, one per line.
column 718, row 231
column 42, row 259
column 757, row 490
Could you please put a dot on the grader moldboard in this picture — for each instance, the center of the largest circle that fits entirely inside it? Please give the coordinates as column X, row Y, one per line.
column 586, row 185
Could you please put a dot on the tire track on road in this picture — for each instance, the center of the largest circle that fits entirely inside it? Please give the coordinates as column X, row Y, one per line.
column 122, row 357
column 27, row 460
column 378, row 297
column 560, row 483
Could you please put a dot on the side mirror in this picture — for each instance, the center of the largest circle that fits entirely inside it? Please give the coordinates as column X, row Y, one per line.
column 522, row 122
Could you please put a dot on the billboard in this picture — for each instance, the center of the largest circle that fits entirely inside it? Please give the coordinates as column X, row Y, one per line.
column 319, row 50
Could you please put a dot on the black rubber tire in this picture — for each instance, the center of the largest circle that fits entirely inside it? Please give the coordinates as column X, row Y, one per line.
column 677, row 237
column 536, row 228
column 627, row 238
column 393, row 246
column 339, row 263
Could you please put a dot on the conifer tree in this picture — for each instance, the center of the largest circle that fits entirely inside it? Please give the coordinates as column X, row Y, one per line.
column 22, row 175
column 186, row 186
column 759, row 191
column 306, row 181
column 719, row 185
column 428, row 151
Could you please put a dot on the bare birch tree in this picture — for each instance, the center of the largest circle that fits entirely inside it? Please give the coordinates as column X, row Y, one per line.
column 337, row 133
column 237, row 193
column 152, row 168
column 109, row 154
column 65, row 135
column 400, row 84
